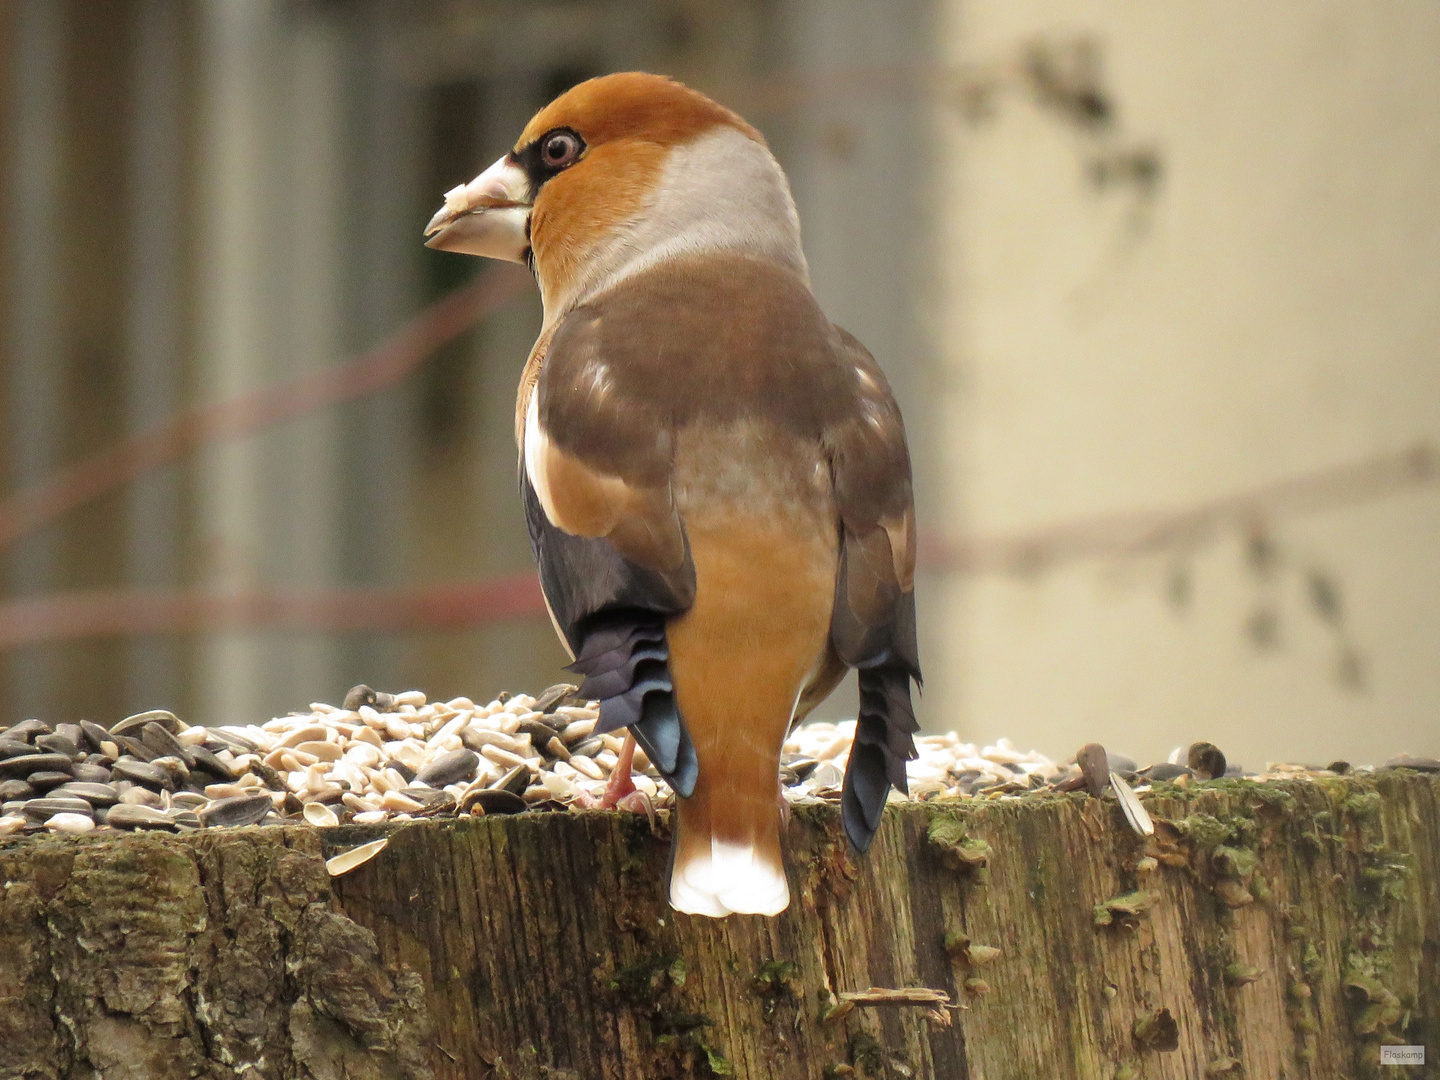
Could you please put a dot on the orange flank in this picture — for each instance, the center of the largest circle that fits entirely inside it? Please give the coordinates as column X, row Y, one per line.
column 739, row 658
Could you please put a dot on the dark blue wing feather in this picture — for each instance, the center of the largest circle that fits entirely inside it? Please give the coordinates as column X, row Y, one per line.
column 612, row 613
column 884, row 741
column 872, row 628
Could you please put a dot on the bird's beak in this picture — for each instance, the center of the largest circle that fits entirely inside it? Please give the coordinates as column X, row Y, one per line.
column 489, row 216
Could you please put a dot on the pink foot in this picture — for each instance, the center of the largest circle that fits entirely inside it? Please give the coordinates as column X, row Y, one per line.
column 621, row 786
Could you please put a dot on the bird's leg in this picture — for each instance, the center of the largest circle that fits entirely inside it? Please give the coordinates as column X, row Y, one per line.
column 620, row 786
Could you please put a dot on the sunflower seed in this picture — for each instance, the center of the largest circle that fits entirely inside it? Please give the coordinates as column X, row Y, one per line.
column 405, row 771
column 362, row 695
column 26, row 764
column 320, row 815
column 1135, row 812
column 175, row 769
column 13, row 790
column 1095, row 767
column 93, row 735
column 203, row 760
column 1163, row 771
column 44, row 781
column 135, row 795
column 135, row 747
column 398, row 803
column 355, row 857
column 91, row 773
column 142, row 772
column 586, row 747
column 515, row 781
column 552, row 696
column 1205, row 760
column 237, row 811
column 26, row 730
column 586, row 766
column 134, row 724
column 162, row 742
column 42, row 809
column 131, row 816
column 1420, row 764
column 57, row 744
column 458, row 766
column 71, row 823
column 320, row 750
column 493, row 801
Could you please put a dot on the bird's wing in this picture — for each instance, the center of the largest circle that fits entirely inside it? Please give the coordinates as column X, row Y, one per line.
column 614, row 559
column 873, row 626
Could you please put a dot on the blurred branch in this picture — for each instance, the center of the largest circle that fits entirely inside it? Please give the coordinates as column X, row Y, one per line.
column 1138, row 533
column 382, row 366
column 134, row 612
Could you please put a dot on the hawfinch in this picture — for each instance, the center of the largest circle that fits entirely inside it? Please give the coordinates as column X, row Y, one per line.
column 715, row 477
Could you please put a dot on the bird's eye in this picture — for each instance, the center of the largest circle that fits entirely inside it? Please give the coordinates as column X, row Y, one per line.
column 560, row 149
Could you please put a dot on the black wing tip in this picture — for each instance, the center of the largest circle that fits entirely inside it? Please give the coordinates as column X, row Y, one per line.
column 857, row 831
column 687, row 771
column 625, row 659
column 680, row 768
column 884, row 741
column 660, row 731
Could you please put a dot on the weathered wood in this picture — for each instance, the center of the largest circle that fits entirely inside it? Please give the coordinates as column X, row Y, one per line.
column 1286, row 930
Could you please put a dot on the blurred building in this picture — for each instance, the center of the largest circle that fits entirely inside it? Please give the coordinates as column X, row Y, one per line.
column 1191, row 250
column 1158, row 288
column 207, row 197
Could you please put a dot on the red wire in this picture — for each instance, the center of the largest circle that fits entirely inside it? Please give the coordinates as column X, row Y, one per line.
column 382, row 366
column 134, row 612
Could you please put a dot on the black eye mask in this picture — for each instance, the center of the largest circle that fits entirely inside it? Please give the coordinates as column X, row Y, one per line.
column 549, row 155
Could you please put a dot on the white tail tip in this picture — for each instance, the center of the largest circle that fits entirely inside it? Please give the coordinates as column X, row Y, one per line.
column 730, row 879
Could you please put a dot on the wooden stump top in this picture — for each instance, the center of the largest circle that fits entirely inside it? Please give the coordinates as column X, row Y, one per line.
column 1284, row 929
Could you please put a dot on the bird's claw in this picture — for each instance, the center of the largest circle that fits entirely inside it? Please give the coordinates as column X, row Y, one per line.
column 618, row 790
column 637, row 802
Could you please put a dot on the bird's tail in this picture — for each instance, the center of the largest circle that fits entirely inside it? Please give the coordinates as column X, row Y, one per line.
column 727, row 847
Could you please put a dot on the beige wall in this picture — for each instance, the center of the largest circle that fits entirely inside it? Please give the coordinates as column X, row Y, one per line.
column 1271, row 308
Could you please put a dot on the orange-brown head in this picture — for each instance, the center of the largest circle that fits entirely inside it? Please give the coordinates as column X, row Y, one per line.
column 615, row 174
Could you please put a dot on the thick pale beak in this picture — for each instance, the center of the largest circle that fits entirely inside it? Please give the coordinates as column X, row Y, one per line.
column 489, row 216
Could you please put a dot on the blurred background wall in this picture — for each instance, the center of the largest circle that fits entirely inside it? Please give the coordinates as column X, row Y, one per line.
column 1191, row 250
column 1158, row 289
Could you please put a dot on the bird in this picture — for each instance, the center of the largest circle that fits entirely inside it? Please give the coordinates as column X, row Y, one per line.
column 716, row 479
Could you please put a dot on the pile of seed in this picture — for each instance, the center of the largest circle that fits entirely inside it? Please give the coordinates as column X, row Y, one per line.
column 382, row 757
column 377, row 757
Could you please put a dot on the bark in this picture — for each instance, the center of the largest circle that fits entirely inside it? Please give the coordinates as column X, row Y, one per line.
column 1286, row 930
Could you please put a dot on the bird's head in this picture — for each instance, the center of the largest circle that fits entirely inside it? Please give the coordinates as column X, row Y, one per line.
column 618, row 174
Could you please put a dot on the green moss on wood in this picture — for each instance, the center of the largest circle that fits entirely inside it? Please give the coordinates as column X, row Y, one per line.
column 1238, row 974
column 1157, row 1031
column 960, row 851
column 775, row 982
column 1127, row 908
column 866, row 1054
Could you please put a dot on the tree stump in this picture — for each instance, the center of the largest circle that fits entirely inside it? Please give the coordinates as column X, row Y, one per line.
column 1268, row 930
